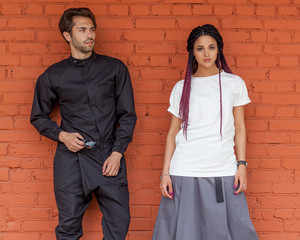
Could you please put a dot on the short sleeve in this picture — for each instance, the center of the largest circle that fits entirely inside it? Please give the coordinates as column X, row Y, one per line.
column 175, row 100
column 241, row 97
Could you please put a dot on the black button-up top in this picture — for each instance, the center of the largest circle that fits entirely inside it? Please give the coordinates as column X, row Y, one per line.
column 95, row 98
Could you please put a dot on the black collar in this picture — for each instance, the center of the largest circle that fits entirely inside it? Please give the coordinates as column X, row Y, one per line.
column 80, row 62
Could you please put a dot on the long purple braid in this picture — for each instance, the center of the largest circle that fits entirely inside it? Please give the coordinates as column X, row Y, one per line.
column 186, row 92
column 192, row 66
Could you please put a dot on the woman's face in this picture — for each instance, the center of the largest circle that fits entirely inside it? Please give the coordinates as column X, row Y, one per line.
column 206, row 52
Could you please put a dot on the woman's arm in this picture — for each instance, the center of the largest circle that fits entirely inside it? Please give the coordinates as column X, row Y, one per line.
column 166, row 183
column 240, row 148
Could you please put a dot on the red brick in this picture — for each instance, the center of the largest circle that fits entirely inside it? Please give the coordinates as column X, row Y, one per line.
column 272, row 86
column 24, row 136
column 271, row 176
column 287, row 11
column 155, row 23
column 184, row 1
column 244, row 49
column 118, row 10
column 161, row 10
column 143, row 48
column 291, row 164
column 9, row 59
column 20, row 236
column 28, row 48
column 280, row 99
column 288, row 61
column 40, row 226
column 144, row 35
column 284, row 150
column 264, row 112
column 269, row 226
column 121, row 23
column 16, row 86
column 137, row 224
column 39, row 150
column 116, row 48
column 159, row 61
column 57, row 9
column 285, row 75
column 140, row 10
column 18, row 213
column 241, row 23
column 245, row 10
column 20, row 175
column 282, row 24
column 270, row 138
column 145, row 86
column 182, row 10
column 9, row 199
column 223, row 10
column 286, row 188
column 291, row 226
column 246, row 61
column 6, row 123
column 3, row 149
column 279, row 37
column 190, row 23
column 285, row 112
column 265, row 11
column 258, row 36
column 138, row 60
column 14, row 9
column 278, row 236
column 229, row 1
column 28, row 22
column 30, row 60
column 34, row 9
column 202, row 9
column 4, row 174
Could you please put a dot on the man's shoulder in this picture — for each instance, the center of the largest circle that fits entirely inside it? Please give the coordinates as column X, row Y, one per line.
column 61, row 65
column 104, row 59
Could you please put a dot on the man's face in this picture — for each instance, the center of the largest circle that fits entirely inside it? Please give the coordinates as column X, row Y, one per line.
column 82, row 37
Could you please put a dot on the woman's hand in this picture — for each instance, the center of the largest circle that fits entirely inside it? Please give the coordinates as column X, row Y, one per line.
column 240, row 179
column 166, row 186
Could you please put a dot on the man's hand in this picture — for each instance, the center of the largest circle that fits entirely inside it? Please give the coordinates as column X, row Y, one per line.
column 111, row 165
column 71, row 140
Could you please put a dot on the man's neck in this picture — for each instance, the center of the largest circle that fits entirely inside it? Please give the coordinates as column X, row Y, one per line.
column 80, row 55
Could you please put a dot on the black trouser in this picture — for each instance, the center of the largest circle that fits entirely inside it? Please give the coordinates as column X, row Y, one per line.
column 76, row 177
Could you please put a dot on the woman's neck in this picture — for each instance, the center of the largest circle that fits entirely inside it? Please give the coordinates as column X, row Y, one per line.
column 204, row 72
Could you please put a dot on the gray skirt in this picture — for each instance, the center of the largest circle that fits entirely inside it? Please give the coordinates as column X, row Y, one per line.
column 195, row 214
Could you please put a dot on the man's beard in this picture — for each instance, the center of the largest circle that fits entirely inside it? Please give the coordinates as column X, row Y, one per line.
column 81, row 46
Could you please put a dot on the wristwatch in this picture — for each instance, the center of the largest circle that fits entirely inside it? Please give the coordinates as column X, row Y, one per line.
column 238, row 163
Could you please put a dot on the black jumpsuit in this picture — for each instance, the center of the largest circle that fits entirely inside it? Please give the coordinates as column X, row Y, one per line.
column 96, row 100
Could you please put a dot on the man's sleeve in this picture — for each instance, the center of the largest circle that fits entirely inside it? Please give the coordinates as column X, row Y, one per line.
column 43, row 102
column 125, row 110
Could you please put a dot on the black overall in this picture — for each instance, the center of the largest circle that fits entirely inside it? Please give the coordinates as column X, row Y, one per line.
column 96, row 100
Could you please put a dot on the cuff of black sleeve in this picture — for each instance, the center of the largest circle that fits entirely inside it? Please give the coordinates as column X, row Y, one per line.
column 119, row 148
column 56, row 134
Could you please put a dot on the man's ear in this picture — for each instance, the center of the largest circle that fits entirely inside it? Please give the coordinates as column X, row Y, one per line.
column 67, row 36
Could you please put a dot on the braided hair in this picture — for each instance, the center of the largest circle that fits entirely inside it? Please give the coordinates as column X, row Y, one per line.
column 192, row 66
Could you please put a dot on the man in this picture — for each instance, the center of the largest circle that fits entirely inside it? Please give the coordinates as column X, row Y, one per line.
column 95, row 96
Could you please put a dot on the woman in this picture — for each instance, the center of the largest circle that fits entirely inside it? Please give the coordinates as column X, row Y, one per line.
column 203, row 181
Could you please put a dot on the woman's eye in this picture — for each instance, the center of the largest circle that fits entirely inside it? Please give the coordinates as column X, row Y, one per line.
column 212, row 48
column 199, row 49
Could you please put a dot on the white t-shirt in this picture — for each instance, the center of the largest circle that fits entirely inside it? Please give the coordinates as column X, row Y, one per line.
column 204, row 153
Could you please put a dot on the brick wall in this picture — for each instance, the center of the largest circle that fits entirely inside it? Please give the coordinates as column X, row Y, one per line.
column 262, row 45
